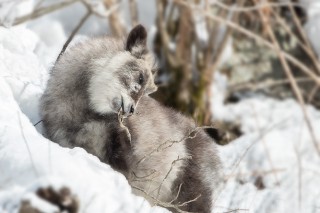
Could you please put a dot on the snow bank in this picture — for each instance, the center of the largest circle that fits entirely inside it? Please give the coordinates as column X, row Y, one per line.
column 275, row 149
column 28, row 160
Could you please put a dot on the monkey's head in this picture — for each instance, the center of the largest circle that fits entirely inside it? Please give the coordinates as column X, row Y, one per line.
column 120, row 81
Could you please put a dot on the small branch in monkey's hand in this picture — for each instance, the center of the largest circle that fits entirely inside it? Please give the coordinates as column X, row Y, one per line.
column 120, row 119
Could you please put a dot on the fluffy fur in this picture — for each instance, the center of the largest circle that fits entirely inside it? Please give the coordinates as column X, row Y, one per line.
column 95, row 80
column 168, row 151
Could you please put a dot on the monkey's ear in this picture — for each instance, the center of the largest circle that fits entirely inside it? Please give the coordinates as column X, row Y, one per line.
column 137, row 40
column 214, row 133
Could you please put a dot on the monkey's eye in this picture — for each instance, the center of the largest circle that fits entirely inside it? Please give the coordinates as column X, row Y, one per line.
column 141, row 79
column 154, row 71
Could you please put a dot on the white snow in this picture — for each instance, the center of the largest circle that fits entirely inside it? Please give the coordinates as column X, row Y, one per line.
column 28, row 160
column 275, row 145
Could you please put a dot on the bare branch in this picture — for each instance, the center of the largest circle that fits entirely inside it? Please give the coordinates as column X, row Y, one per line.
column 169, row 143
column 264, row 85
column 178, row 193
column 43, row 11
column 27, row 145
column 293, row 82
column 91, row 8
column 236, row 210
column 261, row 134
column 173, row 60
column 74, row 32
column 259, row 6
column 158, row 202
column 256, row 173
column 169, row 171
column 114, row 20
column 257, row 38
column 190, row 201
column 133, row 12
column 313, row 92
column 306, row 46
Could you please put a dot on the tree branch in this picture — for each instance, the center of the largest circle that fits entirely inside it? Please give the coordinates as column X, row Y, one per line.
column 43, row 11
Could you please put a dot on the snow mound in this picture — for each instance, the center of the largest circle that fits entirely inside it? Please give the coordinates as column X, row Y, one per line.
column 273, row 166
column 28, row 160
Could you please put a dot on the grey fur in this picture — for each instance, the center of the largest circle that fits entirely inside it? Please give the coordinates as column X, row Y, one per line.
column 169, row 136
column 156, row 158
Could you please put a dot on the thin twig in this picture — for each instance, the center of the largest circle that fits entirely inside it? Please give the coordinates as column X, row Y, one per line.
column 43, row 11
column 253, row 8
column 39, row 3
column 133, row 12
column 177, row 195
column 115, row 23
column 293, row 82
column 264, row 85
column 261, row 134
column 313, row 93
column 311, row 51
column 165, row 38
column 37, row 123
column 236, row 164
column 255, row 173
column 257, row 38
column 283, row 59
column 27, row 145
column 169, row 143
column 265, row 144
column 153, row 171
column 158, row 202
column 98, row 14
column 236, row 210
column 169, row 171
column 74, row 32
column 190, row 201
column 221, row 48
column 306, row 46
column 230, row 210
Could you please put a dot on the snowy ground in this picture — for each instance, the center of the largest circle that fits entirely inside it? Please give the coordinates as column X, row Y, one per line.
column 275, row 149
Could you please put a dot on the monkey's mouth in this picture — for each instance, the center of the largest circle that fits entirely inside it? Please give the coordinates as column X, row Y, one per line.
column 124, row 110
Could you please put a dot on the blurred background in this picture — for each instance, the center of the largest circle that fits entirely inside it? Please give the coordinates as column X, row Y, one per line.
column 261, row 46
column 249, row 67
